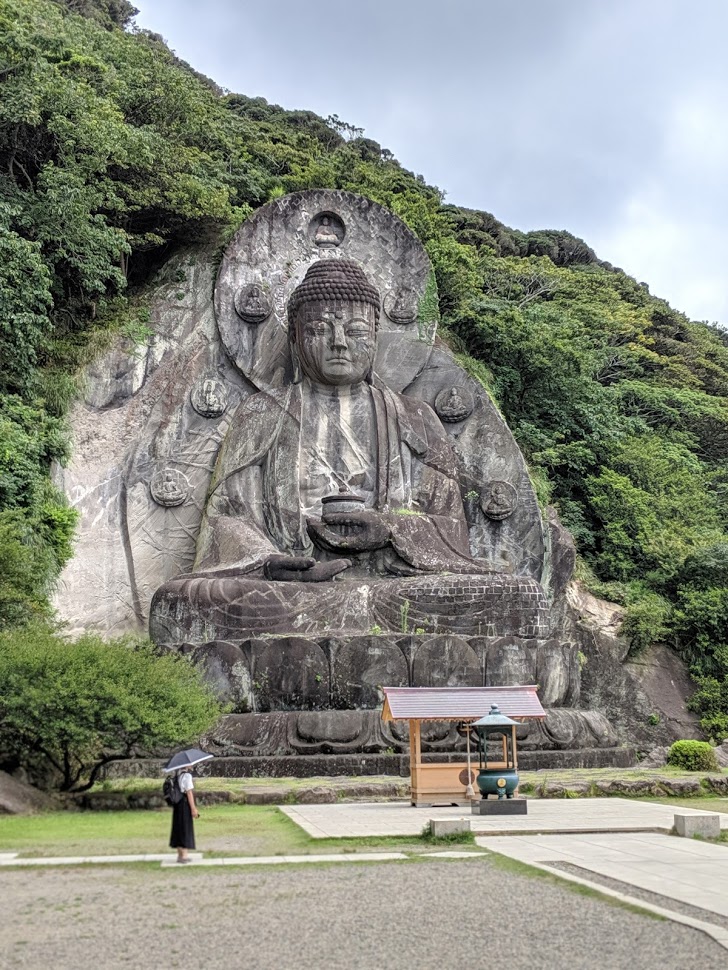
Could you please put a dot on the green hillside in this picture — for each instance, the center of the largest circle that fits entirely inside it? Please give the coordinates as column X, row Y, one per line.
column 113, row 152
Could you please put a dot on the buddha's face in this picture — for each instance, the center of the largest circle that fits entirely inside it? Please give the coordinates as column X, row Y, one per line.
column 336, row 341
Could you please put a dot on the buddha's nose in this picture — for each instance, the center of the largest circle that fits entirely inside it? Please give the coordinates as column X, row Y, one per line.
column 338, row 337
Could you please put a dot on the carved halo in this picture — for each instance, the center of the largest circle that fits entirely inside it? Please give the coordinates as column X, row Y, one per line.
column 273, row 250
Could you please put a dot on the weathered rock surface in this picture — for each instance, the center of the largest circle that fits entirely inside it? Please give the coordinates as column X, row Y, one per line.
column 19, row 798
column 644, row 696
column 657, row 758
column 721, row 754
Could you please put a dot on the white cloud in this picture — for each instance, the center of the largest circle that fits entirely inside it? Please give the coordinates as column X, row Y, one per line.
column 680, row 256
column 606, row 119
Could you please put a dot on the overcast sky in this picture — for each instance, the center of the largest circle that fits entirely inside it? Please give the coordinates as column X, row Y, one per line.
column 608, row 118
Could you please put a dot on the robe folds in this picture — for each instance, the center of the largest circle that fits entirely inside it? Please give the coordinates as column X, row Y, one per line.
column 254, row 507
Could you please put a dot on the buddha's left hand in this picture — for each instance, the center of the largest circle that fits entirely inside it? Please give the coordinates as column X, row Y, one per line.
column 355, row 531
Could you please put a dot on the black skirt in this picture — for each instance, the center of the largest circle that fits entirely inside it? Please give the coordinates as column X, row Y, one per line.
column 183, row 831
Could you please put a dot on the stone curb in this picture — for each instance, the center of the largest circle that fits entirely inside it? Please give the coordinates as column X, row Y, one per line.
column 277, row 860
column 12, row 860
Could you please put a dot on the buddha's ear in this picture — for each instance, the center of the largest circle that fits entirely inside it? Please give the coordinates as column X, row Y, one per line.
column 295, row 362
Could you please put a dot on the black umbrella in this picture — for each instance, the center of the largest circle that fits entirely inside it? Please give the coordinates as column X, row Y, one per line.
column 186, row 759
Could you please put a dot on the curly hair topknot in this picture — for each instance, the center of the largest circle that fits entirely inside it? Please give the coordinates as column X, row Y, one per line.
column 333, row 279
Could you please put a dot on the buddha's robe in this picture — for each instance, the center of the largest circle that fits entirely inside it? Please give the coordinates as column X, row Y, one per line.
column 286, row 450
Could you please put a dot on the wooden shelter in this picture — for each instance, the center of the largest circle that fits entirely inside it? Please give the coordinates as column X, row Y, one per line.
column 438, row 783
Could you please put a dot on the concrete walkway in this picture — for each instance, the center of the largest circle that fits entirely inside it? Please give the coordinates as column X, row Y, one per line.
column 682, row 879
column 273, row 860
column 558, row 815
column 13, row 859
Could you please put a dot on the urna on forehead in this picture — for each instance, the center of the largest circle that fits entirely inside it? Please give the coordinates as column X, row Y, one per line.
column 332, row 281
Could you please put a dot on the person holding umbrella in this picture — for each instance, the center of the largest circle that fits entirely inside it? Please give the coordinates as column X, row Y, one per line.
column 184, row 809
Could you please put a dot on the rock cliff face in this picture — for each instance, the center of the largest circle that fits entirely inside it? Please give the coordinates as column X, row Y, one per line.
column 136, row 421
column 643, row 696
column 146, row 437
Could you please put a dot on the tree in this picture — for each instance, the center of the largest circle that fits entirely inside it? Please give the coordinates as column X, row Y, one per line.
column 24, row 303
column 69, row 707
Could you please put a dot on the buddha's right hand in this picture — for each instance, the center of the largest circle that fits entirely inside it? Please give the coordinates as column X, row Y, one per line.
column 302, row 569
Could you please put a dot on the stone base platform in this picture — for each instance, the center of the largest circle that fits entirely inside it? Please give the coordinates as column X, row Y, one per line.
column 545, row 815
column 329, row 766
column 500, row 806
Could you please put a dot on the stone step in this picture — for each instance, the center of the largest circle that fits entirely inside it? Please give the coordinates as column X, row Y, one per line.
column 329, row 765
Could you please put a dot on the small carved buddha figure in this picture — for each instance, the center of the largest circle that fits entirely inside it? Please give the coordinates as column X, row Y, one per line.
column 405, row 306
column 455, row 401
column 170, row 488
column 209, row 396
column 394, row 535
column 254, row 305
column 325, row 234
column 500, row 503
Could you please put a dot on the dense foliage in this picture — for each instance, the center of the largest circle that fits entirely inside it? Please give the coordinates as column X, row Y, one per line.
column 112, row 151
column 78, row 705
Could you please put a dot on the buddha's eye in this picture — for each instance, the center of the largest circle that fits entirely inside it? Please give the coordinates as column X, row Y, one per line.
column 357, row 332
column 315, row 329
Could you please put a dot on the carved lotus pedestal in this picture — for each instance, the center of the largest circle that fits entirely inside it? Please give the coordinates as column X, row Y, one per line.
column 305, row 705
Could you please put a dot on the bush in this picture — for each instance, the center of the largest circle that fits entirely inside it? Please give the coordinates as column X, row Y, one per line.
column 67, row 708
column 692, row 756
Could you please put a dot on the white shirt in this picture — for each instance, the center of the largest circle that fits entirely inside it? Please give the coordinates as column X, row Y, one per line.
column 184, row 780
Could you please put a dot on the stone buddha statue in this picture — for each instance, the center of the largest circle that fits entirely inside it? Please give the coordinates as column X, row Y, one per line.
column 325, row 235
column 335, row 504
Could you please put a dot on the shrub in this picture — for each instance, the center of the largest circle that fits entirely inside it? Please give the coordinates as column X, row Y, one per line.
column 67, row 708
column 692, row 756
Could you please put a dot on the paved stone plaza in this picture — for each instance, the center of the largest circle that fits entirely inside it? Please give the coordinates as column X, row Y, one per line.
column 544, row 815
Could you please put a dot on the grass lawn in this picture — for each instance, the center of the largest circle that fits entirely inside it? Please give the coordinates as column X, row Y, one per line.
column 239, row 829
column 221, row 830
column 573, row 776
column 707, row 803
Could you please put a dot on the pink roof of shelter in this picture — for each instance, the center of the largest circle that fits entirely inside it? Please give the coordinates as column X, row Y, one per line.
column 459, row 703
